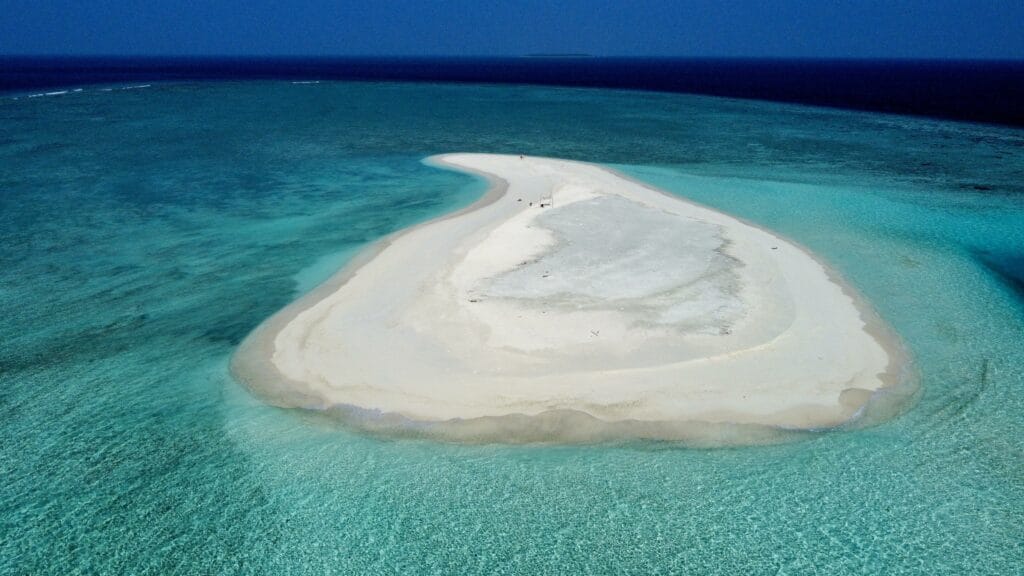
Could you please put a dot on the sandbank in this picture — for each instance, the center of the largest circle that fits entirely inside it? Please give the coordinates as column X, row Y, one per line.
column 574, row 304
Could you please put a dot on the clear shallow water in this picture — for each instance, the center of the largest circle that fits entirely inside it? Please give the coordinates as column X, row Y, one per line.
column 143, row 233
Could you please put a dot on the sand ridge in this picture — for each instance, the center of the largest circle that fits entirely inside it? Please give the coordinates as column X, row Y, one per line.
column 576, row 304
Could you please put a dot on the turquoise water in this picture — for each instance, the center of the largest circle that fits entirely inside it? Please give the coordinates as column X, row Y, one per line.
column 143, row 233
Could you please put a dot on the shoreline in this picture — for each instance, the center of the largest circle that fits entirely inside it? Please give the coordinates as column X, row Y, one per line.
column 251, row 362
column 254, row 366
column 900, row 375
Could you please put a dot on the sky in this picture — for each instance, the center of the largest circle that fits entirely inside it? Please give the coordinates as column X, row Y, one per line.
column 681, row 28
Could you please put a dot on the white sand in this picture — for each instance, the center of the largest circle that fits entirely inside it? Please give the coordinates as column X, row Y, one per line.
column 616, row 305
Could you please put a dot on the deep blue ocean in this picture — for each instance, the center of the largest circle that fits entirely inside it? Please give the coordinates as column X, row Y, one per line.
column 978, row 90
column 144, row 231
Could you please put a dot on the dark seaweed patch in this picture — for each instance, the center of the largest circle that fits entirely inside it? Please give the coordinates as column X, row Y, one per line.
column 1007, row 267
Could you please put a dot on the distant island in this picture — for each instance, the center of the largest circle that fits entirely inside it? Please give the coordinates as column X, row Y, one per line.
column 559, row 55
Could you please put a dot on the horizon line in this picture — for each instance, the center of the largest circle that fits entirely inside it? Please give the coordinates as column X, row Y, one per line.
column 530, row 56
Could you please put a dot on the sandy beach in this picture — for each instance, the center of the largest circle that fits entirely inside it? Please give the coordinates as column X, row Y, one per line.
column 572, row 303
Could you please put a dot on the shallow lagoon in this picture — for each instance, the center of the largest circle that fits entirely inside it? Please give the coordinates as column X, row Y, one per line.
column 143, row 233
